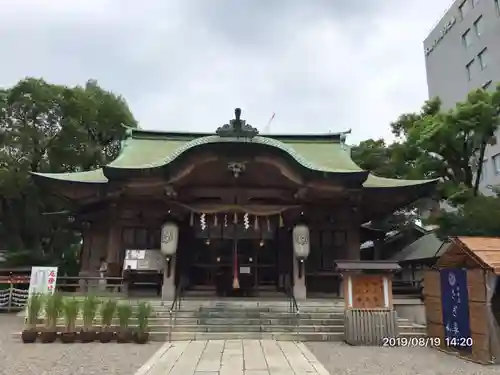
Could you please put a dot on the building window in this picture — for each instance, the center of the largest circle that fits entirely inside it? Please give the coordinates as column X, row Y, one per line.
column 479, row 26
column 483, row 58
column 465, row 7
column 469, row 68
column 496, row 163
column 467, row 38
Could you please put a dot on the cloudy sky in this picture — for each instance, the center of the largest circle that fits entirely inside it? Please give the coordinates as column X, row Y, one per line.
column 320, row 65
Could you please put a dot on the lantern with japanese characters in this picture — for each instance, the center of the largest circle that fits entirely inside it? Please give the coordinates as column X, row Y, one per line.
column 169, row 239
column 301, row 241
column 301, row 245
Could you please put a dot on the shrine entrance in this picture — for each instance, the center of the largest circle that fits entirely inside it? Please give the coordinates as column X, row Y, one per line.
column 236, row 263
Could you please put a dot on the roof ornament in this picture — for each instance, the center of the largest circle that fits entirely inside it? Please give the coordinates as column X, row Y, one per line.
column 343, row 137
column 237, row 128
column 127, row 135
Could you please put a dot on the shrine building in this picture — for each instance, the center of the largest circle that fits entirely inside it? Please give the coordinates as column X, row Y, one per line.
column 231, row 211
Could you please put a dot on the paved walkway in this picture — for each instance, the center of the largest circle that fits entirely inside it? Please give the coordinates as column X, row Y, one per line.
column 233, row 357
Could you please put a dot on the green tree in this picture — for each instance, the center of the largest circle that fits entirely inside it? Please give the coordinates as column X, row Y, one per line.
column 479, row 216
column 450, row 145
column 444, row 144
column 51, row 128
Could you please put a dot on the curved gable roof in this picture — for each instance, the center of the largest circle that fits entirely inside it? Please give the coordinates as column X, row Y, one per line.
column 323, row 153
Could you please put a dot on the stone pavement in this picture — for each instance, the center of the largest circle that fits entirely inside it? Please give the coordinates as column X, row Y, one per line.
column 233, row 357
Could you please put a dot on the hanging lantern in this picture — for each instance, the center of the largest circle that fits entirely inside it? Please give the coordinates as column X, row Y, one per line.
column 169, row 238
column 301, row 241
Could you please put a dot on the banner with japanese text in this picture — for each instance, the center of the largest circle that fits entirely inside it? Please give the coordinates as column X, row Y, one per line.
column 455, row 306
column 43, row 280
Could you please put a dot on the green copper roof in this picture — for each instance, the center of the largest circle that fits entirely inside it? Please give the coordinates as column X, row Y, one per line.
column 324, row 156
column 152, row 149
column 91, row 177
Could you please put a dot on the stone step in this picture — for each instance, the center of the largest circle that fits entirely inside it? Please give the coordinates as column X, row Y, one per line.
column 255, row 328
column 282, row 336
column 267, row 315
column 236, row 320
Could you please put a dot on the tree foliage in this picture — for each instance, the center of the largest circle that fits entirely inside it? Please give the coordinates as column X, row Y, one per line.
column 445, row 144
column 479, row 216
column 51, row 128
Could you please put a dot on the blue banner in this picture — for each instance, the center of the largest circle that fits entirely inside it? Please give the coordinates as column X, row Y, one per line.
column 455, row 305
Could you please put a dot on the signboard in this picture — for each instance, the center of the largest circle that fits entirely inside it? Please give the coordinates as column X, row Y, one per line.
column 144, row 260
column 455, row 305
column 245, row 270
column 443, row 32
column 43, row 280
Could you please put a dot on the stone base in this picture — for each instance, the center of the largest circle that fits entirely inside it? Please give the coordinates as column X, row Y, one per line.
column 299, row 290
column 168, row 291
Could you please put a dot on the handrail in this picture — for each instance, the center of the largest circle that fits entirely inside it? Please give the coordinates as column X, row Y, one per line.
column 175, row 306
column 293, row 307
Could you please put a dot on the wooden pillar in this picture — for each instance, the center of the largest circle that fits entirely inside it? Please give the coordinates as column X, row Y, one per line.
column 86, row 249
column 114, row 243
column 353, row 244
column 353, row 234
column 377, row 249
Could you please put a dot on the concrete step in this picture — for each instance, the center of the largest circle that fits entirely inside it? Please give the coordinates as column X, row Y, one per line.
column 266, row 315
column 255, row 328
column 282, row 336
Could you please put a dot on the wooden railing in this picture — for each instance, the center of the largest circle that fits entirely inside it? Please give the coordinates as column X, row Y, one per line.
column 91, row 284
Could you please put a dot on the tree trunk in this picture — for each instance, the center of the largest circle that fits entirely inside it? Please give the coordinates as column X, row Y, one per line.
column 479, row 168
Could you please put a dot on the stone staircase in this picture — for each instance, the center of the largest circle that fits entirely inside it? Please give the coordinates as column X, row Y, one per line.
column 253, row 319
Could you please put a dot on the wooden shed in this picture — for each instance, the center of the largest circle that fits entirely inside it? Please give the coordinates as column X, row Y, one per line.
column 462, row 299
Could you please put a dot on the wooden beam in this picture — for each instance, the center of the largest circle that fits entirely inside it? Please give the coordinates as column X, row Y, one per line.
column 216, row 192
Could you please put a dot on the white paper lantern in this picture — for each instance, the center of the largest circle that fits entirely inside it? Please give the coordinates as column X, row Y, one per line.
column 169, row 238
column 301, row 243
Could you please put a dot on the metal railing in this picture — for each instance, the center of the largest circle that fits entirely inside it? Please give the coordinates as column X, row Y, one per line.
column 293, row 307
column 175, row 306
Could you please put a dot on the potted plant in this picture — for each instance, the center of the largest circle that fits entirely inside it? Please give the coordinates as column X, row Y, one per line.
column 53, row 307
column 143, row 312
column 71, row 308
column 108, row 310
column 124, row 311
column 89, row 310
column 30, row 331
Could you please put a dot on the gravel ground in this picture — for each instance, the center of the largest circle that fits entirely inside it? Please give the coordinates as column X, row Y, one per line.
column 341, row 359
column 17, row 358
